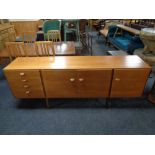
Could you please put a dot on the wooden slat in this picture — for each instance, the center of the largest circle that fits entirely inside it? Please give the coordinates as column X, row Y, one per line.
column 43, row 48
column 60, row 48
column 54, row 35
column 15, row 49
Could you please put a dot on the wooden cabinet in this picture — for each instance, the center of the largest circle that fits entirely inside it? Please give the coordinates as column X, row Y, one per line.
column 76, row 83
column 129, row 82
column 25, row 84
column 80, row 76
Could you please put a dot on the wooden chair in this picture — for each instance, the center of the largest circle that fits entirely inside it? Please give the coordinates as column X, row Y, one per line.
column 70, row 26
column 51, row 25
column 44, row 48
column 29, row 37
column 54, row 35
column 15, row 49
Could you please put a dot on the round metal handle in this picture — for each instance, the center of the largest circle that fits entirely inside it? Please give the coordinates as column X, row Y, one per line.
column 72, row 79
column 21, row 74
column 24, row 80
column 81, row 79
column 27, row 92
column 117, row 79
column 26, row 86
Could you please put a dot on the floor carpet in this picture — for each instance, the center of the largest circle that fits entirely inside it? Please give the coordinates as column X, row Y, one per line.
column 76, row 116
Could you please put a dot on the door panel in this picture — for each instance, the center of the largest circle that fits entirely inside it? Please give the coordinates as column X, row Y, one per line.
column 129, row 82
column 59, row 83
column 94, row 83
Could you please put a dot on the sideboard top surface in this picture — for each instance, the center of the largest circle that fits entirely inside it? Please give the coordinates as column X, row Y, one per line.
column 78, row 62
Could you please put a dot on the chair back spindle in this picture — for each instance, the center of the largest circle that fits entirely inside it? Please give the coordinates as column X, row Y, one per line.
column 15, row 49
column 44, row 48
column 54, row 35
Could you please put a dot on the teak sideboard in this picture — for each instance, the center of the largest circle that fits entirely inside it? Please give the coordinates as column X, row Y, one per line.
column 77, row 76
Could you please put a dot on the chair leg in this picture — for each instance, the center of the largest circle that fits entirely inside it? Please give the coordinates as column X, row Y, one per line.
column 64, row 36
column 78, row 33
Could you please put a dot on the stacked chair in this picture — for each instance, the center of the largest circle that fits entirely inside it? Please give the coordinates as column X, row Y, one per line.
column 71, row 25
column 52, row 30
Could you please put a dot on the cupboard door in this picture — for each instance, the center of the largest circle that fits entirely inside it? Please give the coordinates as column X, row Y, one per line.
column 25, row 83
column 59, row 83
column 129, row 82
column 94, row 83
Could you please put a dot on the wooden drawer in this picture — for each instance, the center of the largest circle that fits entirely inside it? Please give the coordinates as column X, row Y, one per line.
column 27, row 93
column 29, row 84
column 18, row 74
column 22, row 81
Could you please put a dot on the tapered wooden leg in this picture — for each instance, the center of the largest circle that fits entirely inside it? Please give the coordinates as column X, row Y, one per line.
column 47, row 105
column 151, row 96
column 108, row 103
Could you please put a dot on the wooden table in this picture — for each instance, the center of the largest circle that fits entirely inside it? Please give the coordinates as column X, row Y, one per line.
column 61, row 49
column 129, row 29
column 77, row 77
column 65, row 48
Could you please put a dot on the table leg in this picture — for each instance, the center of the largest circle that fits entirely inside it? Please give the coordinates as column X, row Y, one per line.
column 151, row 96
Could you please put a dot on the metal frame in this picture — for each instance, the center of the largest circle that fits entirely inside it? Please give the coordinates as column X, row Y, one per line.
column 86, row 40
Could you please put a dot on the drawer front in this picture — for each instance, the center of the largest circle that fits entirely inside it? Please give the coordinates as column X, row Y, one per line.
column 129, row 82
column 25, row 84
column 27, row 93
column 18, row 74
column 94, row 83
column 60, row 83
